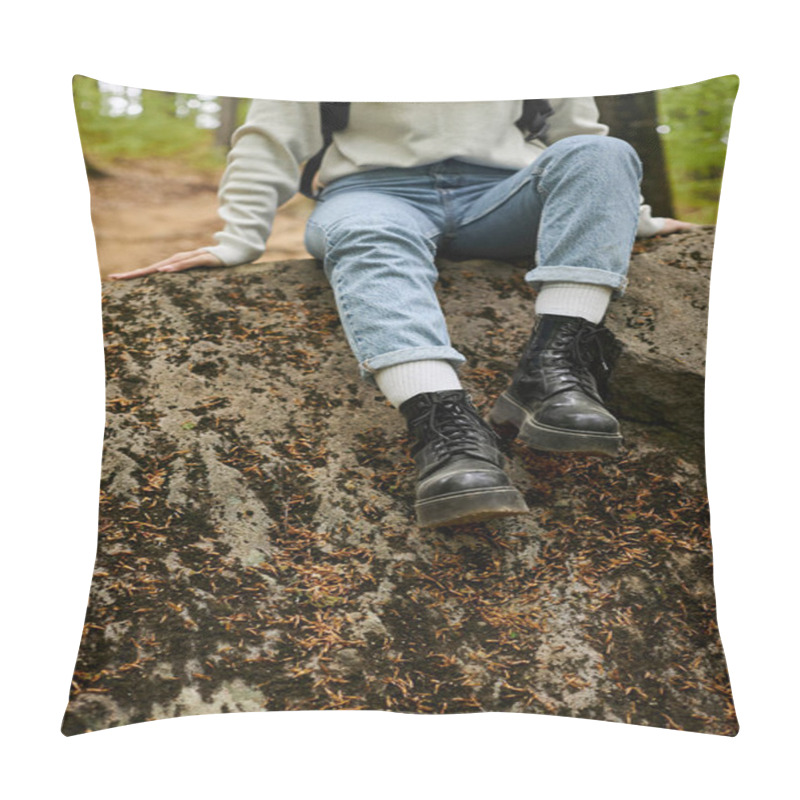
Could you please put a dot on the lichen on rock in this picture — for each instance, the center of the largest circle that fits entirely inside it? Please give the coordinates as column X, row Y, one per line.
column 257, row 546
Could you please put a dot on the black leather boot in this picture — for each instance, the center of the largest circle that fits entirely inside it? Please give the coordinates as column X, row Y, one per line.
column 460, row 468
column 554, row 402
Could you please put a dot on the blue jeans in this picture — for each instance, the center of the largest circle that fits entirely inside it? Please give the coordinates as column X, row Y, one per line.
column 575, row 210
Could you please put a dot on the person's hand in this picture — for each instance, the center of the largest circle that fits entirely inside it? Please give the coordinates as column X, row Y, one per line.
column 176, row 263
column 674, row 225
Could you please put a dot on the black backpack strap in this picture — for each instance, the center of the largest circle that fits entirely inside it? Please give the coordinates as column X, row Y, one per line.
column 334, row 117
column 533, row 122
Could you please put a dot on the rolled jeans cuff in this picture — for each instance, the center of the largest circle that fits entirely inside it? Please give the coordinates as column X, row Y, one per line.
column 598, row 277
column 441, row 353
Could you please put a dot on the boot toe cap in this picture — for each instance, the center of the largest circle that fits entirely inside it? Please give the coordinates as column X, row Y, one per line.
column 464, row 476
column 577, row 414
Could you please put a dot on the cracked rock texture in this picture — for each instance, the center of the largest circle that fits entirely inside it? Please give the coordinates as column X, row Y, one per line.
column 257, row 547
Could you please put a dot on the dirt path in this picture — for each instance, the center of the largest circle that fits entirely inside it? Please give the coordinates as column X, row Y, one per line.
column 145, row 211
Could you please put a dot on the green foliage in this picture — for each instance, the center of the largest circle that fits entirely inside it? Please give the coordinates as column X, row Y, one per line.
column 154, row 133
column 698, row 117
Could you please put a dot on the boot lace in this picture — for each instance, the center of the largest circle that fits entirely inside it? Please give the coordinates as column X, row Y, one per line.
column 589, row 355
column 583, row 357
column 452, row 427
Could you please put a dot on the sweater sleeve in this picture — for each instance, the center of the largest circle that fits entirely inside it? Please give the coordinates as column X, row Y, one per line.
column 579, row 115
column 573, row 116
column 262, row 173
column 648, row 224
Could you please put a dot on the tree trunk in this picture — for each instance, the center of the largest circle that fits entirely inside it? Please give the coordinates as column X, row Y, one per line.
column 634, row 118
column 227, row 118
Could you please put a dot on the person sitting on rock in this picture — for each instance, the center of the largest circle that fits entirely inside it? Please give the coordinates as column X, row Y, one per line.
column 401, row 183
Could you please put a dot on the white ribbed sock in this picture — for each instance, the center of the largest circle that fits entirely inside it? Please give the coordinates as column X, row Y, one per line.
column 587, row 300
column 401, row 382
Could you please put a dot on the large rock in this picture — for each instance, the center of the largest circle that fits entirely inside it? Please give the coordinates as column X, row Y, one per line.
column 661, row 321
column 257, row 545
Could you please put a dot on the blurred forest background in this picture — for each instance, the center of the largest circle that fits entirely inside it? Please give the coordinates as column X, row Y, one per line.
column 154, row 161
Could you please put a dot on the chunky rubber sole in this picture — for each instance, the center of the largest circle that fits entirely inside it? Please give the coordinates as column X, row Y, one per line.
column 512, row 420
column 473, row 506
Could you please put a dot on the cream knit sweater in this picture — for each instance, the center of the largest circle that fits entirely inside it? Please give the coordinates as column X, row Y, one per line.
column 264, row 164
